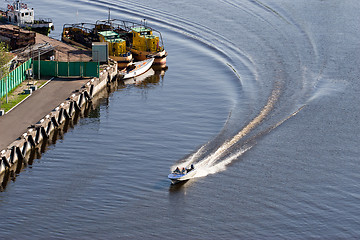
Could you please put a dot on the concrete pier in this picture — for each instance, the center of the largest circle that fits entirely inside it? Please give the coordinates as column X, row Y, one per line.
column 33, row 121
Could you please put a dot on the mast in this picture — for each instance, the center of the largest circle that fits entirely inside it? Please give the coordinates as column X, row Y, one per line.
column 109, row 16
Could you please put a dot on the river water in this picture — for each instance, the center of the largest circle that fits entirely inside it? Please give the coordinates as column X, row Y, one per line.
column 262, row 96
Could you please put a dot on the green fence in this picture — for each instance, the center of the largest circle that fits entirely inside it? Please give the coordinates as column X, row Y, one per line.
column 48, row 69
column 66, row 69
column 14, row 78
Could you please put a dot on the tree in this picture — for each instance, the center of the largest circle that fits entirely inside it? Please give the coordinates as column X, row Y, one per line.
column 4, row 60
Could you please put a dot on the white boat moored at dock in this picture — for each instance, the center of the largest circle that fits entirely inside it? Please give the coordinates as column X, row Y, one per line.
column 136, row 69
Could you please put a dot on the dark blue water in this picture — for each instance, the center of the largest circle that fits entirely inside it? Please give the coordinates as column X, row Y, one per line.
column 261, row 95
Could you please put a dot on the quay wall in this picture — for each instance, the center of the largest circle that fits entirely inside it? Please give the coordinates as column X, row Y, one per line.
column 66, row 110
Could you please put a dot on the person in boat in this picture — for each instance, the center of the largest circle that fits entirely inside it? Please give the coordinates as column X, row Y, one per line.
column 190, row 169
column 183, row 171
column 177, row 170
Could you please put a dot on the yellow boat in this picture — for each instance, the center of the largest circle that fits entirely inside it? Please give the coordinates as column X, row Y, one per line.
column 117, row 48
column 145, row 44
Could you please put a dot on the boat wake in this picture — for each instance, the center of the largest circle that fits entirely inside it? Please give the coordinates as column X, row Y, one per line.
column 296, row 77
column 210, row 160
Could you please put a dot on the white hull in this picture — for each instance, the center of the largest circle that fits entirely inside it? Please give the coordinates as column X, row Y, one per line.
column 49, row 25
column 138, row 69
column 141, row 78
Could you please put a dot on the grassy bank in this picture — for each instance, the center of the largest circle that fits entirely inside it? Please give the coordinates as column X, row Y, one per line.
column 13, row 99
column 17, row 95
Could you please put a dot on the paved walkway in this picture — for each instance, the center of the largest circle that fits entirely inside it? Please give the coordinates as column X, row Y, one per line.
column 38, row 105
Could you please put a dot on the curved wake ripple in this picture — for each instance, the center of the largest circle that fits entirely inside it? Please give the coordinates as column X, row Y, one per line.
column 221, row 157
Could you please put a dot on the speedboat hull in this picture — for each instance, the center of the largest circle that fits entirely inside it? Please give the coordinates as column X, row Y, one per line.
column 179, row 177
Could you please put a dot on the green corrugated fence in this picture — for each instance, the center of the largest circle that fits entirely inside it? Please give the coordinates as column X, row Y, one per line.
column 48, row 69
column 66, row 69
column 14, row 78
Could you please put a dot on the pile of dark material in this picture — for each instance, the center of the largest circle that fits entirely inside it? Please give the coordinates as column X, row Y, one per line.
column 16, row 37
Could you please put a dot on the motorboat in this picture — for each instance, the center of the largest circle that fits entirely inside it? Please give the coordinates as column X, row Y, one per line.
column 185, row 174
column 136, row 69
column 148, row 75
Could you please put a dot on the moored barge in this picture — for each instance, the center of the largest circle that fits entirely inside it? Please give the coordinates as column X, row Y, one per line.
column 141, row 40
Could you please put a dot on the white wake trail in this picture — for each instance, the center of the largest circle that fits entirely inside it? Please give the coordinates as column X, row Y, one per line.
column 214, row 162
column 204, row 169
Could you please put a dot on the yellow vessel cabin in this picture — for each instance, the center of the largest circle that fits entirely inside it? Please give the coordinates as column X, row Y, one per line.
column 144, row 40
column 145, row 44
column 117, row 48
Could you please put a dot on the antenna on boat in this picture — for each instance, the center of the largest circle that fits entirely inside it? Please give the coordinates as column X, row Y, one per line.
column 109, row 16
column 144, row 22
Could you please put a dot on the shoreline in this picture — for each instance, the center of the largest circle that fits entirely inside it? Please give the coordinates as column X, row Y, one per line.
column 40, row 131
column 30, row 134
